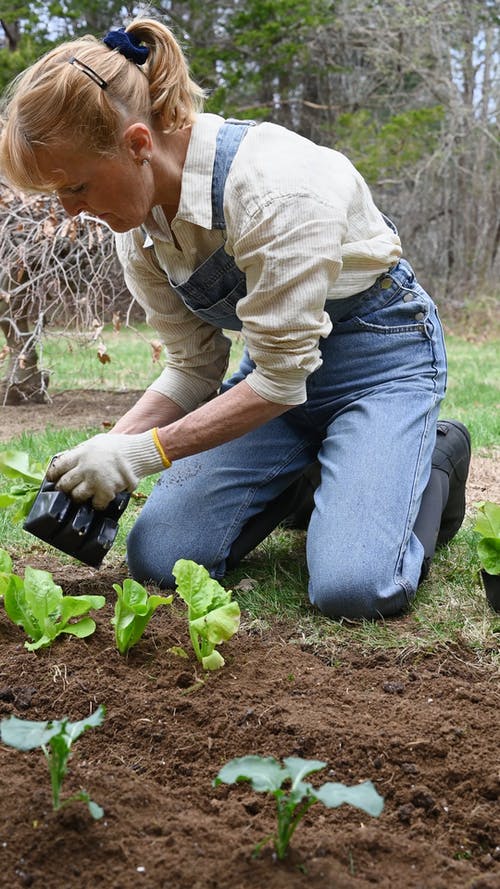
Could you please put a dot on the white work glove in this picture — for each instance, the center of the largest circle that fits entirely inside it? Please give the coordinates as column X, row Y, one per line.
column 105, row 465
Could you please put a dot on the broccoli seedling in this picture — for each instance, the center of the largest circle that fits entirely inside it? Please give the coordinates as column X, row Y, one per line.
column 55, row 739
column 266, row 775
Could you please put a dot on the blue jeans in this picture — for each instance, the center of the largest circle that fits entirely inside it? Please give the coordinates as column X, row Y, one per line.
column 370, row 419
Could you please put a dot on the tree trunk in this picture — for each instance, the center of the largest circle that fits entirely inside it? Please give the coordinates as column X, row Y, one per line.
column 12, row 33
column 23, row 380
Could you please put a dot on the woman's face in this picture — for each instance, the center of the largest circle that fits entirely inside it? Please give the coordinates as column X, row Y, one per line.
column 118, row 190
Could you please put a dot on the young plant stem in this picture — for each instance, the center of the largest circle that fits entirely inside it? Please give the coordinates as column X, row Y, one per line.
column 289, row 816
column 193, row 635
column 57, row 758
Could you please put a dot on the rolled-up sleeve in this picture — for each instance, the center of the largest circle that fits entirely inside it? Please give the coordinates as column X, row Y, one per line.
column 290, row 253
column 196, row 354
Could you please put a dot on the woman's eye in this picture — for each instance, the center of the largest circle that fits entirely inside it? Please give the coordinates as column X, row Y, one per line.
column 70, row 190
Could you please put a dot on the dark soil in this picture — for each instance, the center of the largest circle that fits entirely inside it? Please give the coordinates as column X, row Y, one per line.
column 424, row 728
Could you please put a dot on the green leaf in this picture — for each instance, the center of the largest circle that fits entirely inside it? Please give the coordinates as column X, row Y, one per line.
column 297, row 768
column 134, row 596
column 488, row 550
column 95, row 810
column 18, row 464
column 42, row 642
column 43, row 599
column 363, row 796
column 27, row 475
column 74, row 729
column 81, row 628
column 7, row 500
column 26, row 734
column 201, row 592
column 23, row 503
column 5, row 571
column 5, row 562
column 17, row 609
column 265, row 774
column 213, row 617
column 73, row 606
column 38, row 605
column 134, row 609
column 488, row 520
column 178, row 651
column 219, row 625
column 212, row 661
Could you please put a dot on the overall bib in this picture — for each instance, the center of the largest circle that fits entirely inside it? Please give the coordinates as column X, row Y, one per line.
column 369, row 418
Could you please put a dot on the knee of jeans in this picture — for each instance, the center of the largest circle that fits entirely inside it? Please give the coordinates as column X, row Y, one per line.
column 153, row 549
column 344, row 595
column 147, row 562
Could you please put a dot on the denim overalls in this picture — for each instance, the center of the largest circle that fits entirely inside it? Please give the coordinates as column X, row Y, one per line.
column 370, row 418
column 214, row 288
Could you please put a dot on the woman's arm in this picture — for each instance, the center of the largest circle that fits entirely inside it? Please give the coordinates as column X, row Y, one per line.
column 235, row 412
column 152, row 409
column 111, row 462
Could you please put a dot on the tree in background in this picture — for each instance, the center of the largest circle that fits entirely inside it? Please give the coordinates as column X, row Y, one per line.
column 408, row 89
column 424, row 127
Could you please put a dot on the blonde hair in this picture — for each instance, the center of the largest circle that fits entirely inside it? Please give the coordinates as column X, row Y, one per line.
column 55, row 103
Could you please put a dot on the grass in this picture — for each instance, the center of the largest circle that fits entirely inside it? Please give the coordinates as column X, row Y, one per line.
column 450, row 611
column 473, row 389
column 129, row 358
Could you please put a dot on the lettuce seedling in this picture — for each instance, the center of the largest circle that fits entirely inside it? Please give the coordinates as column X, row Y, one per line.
column 487, row 525
column 38, row 605
column 56, row 739
column 133, row 610
column 27, row 475
column 266, row 775
column 213, row 617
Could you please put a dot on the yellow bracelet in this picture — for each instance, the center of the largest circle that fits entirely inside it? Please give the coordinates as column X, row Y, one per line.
column 164, row 459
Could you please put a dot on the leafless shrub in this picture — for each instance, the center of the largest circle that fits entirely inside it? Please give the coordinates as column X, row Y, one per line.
column 55, row 272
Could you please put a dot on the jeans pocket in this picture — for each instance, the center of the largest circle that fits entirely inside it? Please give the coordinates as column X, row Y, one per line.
column 407, row 311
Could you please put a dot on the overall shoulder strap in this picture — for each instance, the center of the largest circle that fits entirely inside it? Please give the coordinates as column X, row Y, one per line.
column 229, row 138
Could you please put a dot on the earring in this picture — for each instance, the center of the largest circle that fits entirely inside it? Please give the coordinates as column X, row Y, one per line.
column 145, row 161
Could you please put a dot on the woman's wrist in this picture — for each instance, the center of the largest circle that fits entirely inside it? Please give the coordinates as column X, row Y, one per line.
column 152, row 410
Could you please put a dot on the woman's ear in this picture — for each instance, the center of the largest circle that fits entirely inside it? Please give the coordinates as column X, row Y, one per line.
column 138, row 141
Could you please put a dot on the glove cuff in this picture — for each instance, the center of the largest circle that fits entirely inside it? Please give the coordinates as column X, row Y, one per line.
column 143, row 455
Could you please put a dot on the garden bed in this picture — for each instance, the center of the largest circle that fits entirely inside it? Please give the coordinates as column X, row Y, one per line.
column 423, row 727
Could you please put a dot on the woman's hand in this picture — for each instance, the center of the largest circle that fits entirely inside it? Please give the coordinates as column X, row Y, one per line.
column 102, row 466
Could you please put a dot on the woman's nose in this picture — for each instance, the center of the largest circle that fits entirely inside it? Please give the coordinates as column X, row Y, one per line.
column 72, row 205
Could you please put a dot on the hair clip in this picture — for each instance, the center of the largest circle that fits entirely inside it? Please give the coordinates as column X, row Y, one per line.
column 89, row 72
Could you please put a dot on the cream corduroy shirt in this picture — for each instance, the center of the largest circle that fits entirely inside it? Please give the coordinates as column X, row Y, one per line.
column 301, row 224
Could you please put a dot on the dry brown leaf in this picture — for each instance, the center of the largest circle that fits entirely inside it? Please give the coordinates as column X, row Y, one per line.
column 102, row 354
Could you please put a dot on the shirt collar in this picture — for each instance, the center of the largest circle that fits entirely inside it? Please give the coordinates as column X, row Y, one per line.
column 195, row 203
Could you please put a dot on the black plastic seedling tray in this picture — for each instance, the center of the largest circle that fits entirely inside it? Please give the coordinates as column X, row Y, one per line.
column 77, row 529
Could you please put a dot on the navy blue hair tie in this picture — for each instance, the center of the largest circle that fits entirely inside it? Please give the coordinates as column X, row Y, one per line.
column 128, row 45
